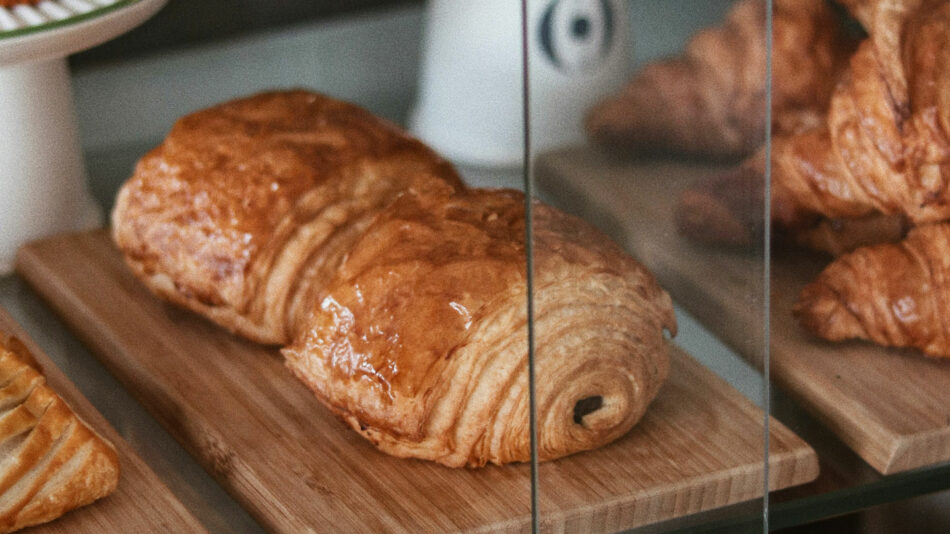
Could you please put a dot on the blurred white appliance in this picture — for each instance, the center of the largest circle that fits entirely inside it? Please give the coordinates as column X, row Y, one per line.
column 470, row 91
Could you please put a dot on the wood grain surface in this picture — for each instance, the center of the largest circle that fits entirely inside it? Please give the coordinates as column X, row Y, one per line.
column 892, row 407
column 285, row 457
column 140, row 503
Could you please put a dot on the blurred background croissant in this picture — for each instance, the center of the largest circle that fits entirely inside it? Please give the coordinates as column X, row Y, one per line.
column 860, row 151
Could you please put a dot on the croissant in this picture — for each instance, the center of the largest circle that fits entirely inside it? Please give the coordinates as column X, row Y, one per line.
column 404, row 293
column 892, row 294
column 884, row 146
column 711, row 101
column 52, row 462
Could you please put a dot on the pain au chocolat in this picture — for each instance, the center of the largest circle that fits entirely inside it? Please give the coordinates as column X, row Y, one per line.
column 399, row 293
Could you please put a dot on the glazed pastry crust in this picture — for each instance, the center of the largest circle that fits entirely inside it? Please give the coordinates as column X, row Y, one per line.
column 895, row 295
column 52, row 462
column 884, row 146
column 290, row 216
column 420, row 341
column 246, row 207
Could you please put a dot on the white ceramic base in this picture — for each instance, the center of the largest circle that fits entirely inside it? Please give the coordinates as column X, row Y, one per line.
column 42, row 173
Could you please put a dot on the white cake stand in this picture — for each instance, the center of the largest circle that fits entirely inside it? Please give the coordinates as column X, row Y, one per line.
column 43, row 186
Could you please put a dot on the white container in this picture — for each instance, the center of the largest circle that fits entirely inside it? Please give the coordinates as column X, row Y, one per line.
column 471, row 81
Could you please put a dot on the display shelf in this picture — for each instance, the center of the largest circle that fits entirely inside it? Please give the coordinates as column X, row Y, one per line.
column 696, row 448
column 846, row 484
column 125, row 108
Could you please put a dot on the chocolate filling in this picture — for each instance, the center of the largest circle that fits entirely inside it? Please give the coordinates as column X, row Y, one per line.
column 586, row 406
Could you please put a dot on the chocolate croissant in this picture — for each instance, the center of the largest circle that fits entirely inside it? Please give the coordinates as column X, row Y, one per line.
column 892, row 294
column 419, row 343
column 710, row 102
column 52, row 462
column 884, row 146
column 403, row 291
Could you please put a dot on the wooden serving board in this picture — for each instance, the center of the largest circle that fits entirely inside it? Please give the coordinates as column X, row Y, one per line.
column 296, row 468
column 892, row 407
column 140, row 503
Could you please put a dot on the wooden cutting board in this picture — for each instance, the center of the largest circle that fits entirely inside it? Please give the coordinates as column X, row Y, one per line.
column 296, row 468
column 892, row 407
column 140, row 503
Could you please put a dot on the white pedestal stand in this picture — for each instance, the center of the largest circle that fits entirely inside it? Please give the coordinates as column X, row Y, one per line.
column 42, row 173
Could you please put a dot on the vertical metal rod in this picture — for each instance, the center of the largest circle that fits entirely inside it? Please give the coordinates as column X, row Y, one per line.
column 529, row 252
column 767, row 264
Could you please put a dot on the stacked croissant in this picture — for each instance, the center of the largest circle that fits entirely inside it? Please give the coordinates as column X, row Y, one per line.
column 398, row 293
column 853, row 167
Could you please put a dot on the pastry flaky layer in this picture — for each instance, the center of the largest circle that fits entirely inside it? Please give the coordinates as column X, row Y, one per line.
column 894, row 294
column 884, row 145
column 50, row 461
column 420, row 342
column 401, row 294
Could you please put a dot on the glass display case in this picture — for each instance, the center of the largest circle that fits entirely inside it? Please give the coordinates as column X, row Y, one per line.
column 550, row 265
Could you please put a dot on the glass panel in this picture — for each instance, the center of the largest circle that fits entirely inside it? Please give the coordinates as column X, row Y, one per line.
column 648, row 127
column 468, row 109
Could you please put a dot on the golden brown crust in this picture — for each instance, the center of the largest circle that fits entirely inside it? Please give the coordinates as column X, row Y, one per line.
column 404, row 291
column 711, row 101
column 419, row 343
column 885, row 146
column 893, row 294
column 11, row 3
column 241, row 198
column 52, row 461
